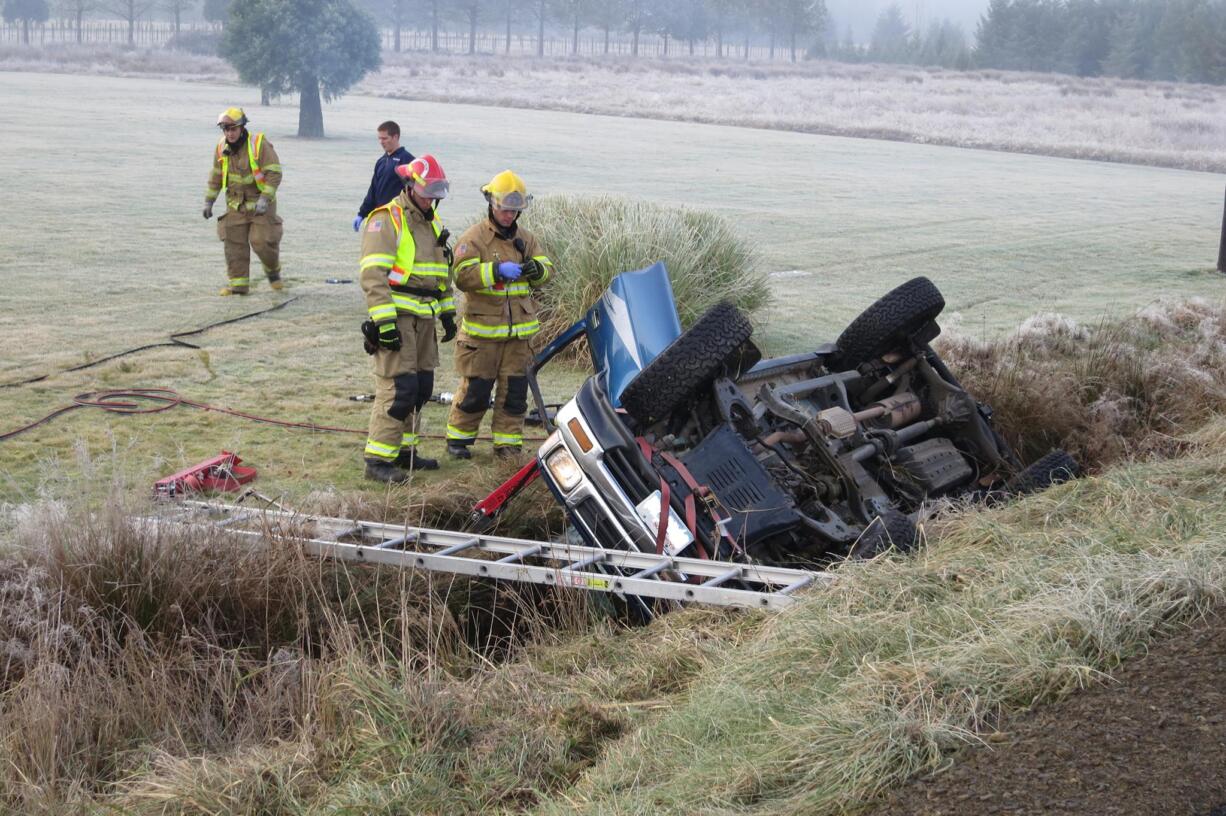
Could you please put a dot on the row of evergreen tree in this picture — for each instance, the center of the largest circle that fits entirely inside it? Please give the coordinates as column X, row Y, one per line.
column 1181, row 40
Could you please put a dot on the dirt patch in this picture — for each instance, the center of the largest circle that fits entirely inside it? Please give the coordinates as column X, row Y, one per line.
column 1151, row 742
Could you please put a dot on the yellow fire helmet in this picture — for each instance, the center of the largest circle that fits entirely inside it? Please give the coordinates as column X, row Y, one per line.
column 506, row 191
column 232, row 116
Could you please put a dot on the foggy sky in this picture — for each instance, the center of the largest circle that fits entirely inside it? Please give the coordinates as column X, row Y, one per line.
column 862, row 14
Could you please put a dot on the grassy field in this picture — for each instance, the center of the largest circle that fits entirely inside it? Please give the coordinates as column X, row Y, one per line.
column 107, row 250
column 161, row 673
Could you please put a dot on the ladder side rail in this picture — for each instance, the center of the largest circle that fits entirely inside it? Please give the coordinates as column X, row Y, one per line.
column 633, row 560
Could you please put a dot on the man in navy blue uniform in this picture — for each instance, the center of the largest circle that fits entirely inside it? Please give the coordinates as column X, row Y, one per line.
column 385, row 185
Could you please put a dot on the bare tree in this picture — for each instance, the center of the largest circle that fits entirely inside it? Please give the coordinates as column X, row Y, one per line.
column 636, row 15
column 131, row 11
column 607, row 15
column 176, row 8
column 471, row 12
column 576, row 13
column 432, row 8
column 76, row 10
column 542, row 11
column 26, row 12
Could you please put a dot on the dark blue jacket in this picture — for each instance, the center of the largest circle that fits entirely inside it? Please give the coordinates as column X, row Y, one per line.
column 385, row 184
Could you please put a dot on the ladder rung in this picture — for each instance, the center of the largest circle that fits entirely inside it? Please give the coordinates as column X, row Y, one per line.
column 463, row 545
column 519, row 556
column 235, row 519
column 735, row 572
column 650, row 571
column 346, row 533
column 586, row 562
column 396, row 543
column 795, row 585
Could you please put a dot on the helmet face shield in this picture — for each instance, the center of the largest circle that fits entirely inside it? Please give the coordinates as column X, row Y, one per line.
column 514, row 200
column 433, row 189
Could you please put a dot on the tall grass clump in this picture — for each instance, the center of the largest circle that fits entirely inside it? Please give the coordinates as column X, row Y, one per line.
column 592, row 239
column 128, row 646
column 1105, row 392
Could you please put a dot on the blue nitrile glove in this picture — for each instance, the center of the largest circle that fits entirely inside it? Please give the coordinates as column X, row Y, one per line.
column 357, row 223
column 509, row 270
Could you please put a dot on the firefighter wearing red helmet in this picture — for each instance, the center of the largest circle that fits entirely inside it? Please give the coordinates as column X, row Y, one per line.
column 247, row 168
column 499, row 265
column 405, row 275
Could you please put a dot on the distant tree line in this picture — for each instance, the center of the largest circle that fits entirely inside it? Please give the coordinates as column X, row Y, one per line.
column 793, row 27
column 1180, row 40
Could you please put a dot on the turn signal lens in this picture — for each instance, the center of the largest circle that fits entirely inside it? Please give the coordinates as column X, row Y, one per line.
column 581, row 437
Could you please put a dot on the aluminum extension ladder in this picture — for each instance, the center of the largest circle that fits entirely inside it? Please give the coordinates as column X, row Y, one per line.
column 622, row 572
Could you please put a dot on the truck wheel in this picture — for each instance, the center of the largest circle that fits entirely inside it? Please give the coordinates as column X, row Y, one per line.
column 1055, row 467
column 899, row 314
column 716, row 342
column 890, row 529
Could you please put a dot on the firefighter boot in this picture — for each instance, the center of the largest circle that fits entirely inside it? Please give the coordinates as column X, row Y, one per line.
column 410, row 459
column 379, row 470
column 459, row 451
column 507, row 452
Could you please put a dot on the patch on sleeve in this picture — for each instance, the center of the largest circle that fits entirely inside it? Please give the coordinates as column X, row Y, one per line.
column 375, row 225
column 461, row 249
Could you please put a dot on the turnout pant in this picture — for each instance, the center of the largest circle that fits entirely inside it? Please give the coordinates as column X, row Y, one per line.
column 488, row 367
column 404, row 381
column 242, row 232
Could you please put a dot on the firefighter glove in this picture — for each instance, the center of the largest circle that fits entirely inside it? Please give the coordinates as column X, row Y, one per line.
column 389, row 336
column 509, row 270
column 357, row 223
column 261, row 205
column 370, row 337
column 448, row 321
column 208, row 209
column 534, row 270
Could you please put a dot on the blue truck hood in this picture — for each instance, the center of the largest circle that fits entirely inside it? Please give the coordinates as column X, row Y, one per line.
column 634, row 320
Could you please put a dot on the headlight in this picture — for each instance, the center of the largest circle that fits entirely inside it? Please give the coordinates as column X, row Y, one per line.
column 564, row 469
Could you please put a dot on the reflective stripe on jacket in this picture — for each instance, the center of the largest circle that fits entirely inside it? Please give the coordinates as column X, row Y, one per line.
column 403, row 268
column 257, row 172
column 495, row 309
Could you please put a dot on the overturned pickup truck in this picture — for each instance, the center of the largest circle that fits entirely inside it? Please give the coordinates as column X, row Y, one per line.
column 689, row 443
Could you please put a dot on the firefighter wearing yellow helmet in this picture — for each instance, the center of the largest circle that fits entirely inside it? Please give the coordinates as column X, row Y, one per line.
column 247, row 168
column 498, row 265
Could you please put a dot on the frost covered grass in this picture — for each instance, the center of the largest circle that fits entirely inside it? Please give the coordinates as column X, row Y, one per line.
column 1158, row 123
column 114, row 60
column 1163, row 124
column 834, row 222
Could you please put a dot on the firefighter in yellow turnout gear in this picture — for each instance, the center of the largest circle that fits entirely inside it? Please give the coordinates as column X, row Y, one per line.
column 405, row 275
column 247, row 168
column 498, row 265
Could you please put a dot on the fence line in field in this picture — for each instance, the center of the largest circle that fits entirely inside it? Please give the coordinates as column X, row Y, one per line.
column 155, row 33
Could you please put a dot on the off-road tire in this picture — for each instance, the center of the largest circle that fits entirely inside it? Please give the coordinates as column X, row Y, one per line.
column 890, row 529
column 898, row 314
column 1055, row 467
column 718, row 341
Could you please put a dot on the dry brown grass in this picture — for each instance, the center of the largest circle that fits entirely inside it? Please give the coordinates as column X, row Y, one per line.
column 1106, row 392
column 127, row 645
